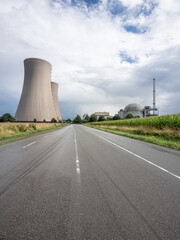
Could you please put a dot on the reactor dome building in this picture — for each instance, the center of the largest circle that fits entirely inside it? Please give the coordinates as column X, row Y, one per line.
column 39, row 98
column 135, row 109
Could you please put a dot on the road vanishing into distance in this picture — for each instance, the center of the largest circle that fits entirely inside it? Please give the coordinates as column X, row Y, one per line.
column 82, row 183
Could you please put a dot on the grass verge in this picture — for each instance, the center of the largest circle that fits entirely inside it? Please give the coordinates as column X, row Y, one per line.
column 26, row 133
column 159, row 140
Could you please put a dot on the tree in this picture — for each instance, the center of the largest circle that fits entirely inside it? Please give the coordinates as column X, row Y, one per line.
column 7, row 118
column 77, row 120
column 93, row 118
column 101, row 118
column 35, row 120
column 129, row 115
column 44, row 120
column 53, row 120
column 116, row 117
column 68, row 120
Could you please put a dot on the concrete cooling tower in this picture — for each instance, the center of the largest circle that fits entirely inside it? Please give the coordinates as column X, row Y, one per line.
column 54, row 87
column 36, row 100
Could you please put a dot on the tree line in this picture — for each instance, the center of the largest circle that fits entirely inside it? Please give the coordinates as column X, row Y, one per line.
column 77, row 120
column 7, row 117
column 93, row 118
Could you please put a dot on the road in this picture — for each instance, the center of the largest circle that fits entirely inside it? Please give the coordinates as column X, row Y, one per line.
column 82, row 183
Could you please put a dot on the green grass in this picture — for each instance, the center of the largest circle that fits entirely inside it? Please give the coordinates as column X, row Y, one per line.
column 159, row 140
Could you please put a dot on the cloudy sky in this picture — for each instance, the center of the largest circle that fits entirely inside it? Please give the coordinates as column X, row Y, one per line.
column 104, row 54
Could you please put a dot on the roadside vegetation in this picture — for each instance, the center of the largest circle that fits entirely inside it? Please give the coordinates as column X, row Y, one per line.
column 10, row 130
column 162, row 130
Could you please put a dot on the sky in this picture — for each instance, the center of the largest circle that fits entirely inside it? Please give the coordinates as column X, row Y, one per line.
column 104, row 54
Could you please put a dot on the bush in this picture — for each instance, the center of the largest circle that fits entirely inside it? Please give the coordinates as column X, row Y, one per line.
column 44, row 120
column 35, row 120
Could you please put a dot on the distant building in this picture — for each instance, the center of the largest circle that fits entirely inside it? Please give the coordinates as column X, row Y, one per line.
column 149, row 111
column 137, row 111
column 85, row 116
column 103, row 114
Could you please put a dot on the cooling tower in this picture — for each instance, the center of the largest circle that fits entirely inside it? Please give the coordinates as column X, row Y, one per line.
column 36, row 100
column 54, row 87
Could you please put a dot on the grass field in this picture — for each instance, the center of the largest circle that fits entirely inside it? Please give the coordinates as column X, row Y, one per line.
column 162, row 130
column 11, row 130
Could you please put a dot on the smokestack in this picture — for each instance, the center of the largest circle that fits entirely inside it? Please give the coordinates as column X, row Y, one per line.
column 36, row 100
column 154, row 100
column 54, row 87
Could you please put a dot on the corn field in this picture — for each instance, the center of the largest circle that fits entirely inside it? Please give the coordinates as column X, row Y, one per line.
column 160, row 122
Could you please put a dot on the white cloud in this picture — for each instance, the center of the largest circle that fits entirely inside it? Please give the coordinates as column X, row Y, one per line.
column 131, row 4
column 84, row 45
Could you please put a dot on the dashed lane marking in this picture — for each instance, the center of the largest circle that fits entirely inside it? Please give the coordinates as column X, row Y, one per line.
column 29, row 145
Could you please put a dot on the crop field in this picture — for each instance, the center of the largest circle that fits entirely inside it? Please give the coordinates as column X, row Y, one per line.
column 161, row 122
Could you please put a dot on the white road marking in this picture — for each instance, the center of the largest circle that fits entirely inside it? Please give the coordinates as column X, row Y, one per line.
column 78, row 171
column 79, row 193
column 29, row 144
column 163, row 169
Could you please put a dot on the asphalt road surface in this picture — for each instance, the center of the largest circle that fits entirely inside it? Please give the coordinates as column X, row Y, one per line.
column 82, row 183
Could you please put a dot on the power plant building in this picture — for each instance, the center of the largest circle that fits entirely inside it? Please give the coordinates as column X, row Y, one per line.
column 39, row 98
column 135, row 109
column 138, row 111
column 54, row 87
column 101, row 114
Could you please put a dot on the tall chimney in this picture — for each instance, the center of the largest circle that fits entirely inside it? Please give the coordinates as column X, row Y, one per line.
column 154, row 100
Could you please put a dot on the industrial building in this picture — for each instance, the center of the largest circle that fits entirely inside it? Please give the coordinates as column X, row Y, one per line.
column 97, row 114
column 39, row 98
column 135, row 109
column 138, row 111
column 102, row 114
column 54, row 87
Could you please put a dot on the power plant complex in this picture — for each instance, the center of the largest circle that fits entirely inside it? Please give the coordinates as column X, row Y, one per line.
column 134, row 109
column 39, row 98
column 138, row 111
